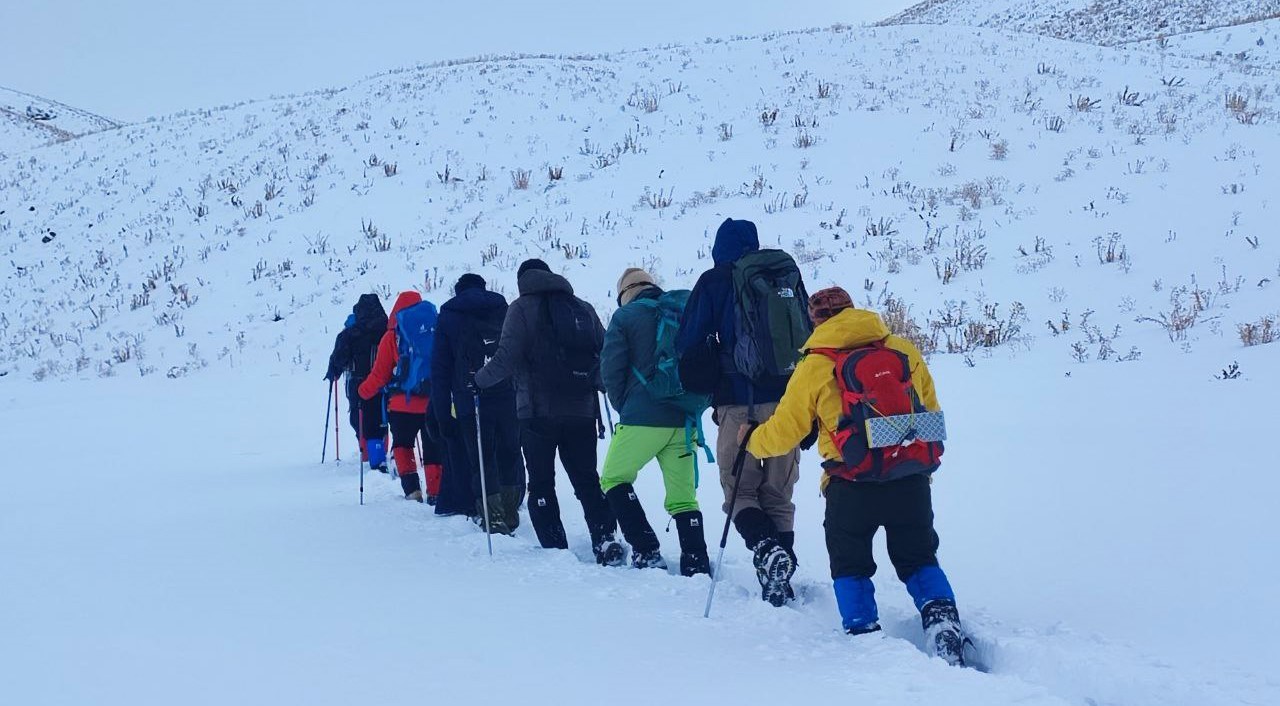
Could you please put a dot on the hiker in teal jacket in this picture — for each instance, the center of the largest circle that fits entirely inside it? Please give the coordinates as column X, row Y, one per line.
column 649, row 429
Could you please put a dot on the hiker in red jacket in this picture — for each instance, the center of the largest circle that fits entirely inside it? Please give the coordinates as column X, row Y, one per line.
column 406, row 412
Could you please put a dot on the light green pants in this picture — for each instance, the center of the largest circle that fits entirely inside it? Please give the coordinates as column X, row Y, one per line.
column 634, row 447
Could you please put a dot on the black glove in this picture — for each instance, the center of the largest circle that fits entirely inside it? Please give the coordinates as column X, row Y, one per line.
column 471, row 384
column 807, row 442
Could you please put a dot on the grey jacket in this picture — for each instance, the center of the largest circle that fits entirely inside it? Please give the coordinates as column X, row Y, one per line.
column 516, row 351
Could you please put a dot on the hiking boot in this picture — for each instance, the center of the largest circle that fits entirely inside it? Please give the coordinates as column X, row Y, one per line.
column 651, row 559
column 411, row 486
column 693, row 544
column 635, row 526
column 774, row 568
column 610, row 552
column 497, row 523
column 512, row 496
column 863, row 629
column 943, row 636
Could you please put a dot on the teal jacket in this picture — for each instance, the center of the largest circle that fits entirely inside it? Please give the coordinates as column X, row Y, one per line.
column 629, row 345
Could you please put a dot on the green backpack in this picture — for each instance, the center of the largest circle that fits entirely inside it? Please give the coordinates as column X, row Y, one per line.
column 772, row 314
column 663, row 384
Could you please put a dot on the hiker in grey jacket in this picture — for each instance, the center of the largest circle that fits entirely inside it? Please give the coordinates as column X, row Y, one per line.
column 541, row 325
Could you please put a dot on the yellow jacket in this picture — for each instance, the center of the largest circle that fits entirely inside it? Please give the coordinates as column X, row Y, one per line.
column 812, row 392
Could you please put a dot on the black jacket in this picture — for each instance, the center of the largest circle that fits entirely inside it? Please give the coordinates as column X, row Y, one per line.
column 449, row 391
column 517, row 348
column 356, row 345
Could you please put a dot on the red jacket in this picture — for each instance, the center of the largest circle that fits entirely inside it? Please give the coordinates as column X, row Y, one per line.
column 384, row 365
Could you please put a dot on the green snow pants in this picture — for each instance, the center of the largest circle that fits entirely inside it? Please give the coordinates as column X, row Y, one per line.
column 632, row 448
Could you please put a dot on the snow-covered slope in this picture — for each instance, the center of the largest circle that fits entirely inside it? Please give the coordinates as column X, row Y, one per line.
column 1255, row 45
column 1002, row 189
column 1093, row 21
column 188, row 548
column 28, row 121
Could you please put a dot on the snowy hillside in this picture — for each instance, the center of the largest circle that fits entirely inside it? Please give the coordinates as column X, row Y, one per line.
column 28, row 121
column 1010, row 197
column 1082, row 237
column 1105, row 22
column 1255, row 45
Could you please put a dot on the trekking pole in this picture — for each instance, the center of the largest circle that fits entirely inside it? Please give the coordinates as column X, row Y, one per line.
column 484, row 489
column 608, row 413
column 362, row 454
column 738, row 462
column 337, row 448
column 324, row 448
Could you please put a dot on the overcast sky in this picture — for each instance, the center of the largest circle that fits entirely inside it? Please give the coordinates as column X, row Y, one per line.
column 131, row 59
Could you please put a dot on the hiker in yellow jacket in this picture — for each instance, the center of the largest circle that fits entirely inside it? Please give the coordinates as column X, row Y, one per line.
column 858, row 504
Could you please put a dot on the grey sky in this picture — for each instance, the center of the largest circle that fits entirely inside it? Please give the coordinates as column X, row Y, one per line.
column 130, row 59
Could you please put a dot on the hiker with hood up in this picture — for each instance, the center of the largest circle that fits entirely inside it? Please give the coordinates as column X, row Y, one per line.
column 890, row 486
column 407, row 401
column 550, row 349
column 467, row 336
column 708, row 345
column 353, row 353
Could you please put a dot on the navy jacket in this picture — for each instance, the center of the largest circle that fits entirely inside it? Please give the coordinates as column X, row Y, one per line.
column 449, row 393
column 710, row 312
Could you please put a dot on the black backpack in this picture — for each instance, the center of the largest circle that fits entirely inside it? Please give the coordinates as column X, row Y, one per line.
column 568, row 362
column 476, row 345
column 772, row 314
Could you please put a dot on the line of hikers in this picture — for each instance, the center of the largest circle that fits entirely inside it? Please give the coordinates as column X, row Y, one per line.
column 492, row 391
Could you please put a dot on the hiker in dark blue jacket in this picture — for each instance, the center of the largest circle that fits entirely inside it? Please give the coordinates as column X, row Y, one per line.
column 466, row 336
column 764, row 513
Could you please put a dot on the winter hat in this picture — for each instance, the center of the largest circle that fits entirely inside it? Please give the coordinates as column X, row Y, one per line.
column 632, row 282
column 532, row 264
column 827, row 303
column 470, row 280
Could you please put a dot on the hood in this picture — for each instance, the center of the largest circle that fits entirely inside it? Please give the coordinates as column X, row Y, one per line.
column 733, row 240
column 475, row 301
column 542, row 282
column 850, row 328
column 369, row 313
column 404, row 301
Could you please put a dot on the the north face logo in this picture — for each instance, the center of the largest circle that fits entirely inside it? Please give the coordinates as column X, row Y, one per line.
column 787, row 293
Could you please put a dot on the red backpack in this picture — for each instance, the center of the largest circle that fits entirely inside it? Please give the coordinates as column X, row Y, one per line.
column 875, row 383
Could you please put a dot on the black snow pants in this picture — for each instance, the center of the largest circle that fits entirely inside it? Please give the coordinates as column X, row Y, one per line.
column 575, row 439
column 855, row 510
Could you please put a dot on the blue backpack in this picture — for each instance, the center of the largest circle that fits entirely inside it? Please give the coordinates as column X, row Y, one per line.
column 663, row 384
column 415, row 337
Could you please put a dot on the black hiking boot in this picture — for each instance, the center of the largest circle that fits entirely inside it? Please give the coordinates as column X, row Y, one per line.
column 693, row 544
column 651, row 559
column 610, row 552
column 943, row 636
column 774, row 568
column 645, row 551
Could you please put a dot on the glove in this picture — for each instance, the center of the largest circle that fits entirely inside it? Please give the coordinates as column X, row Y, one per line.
column 807, row 442
column 471, row 384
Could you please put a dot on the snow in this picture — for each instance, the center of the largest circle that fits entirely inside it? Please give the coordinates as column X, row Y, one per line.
column 188, row 546
column 28, row 121
column 1107, row 22
column 1256, row 44
column 169, row 536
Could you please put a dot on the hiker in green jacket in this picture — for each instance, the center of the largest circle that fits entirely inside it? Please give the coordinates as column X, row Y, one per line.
column 656, row 422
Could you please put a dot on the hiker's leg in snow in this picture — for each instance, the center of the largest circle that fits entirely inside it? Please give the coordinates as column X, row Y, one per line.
column 729, row 418
column 680, row 482
column 432, row 462
column 851, row 521
column 538, row 442
column 631, row 448
column 578, row 455
column 404, row 431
